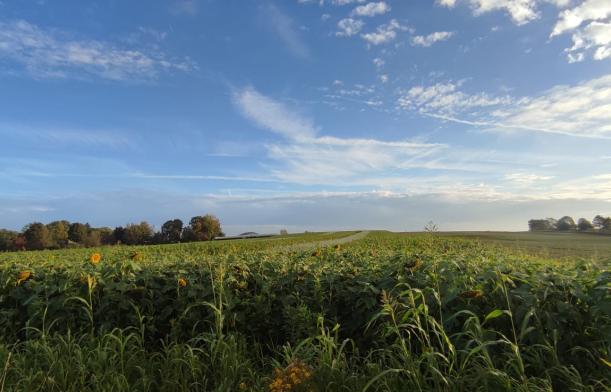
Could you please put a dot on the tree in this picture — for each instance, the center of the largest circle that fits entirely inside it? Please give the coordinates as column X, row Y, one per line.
column 205, row 228
column 566, row 223
column 584, row 225
column 20, row 242
column 601, row 223
column 37, row 236
column 78, row 232
column 118, row 235
column 187, row 235
column 138, row 234
column 7, row 240
column 171, row 231
column 542, row 224
column 106, row 235
column 58, row 231
column 94, row 238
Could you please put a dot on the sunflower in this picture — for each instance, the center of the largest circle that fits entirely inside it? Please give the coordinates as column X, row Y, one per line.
column 23, row 276
column 182, row 282
column 95, row 258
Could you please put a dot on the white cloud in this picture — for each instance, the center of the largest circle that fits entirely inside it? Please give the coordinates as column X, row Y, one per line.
column 446, row 98
column 349, row 27
column 311, row 159
column 371, row 9
column 378, row 62
column 53, row 136
column 587, row 11
column 526, row 179
column 384, row 78
column 346, row 2
column 520, row 11
column 273, row 115
column 284, row 26
column 591, row 33
column 188, row 7
column 597, row 36
column 384, row 33
column 47, row 54
column 582, row 110
column 430, row 39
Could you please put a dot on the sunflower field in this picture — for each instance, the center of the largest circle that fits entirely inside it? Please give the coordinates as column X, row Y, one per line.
column 385, row 312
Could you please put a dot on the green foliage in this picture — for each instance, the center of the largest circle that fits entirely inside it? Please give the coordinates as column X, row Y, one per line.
column 584, row 225
column 138, row 233
column 7, row 240
column 78, row 232
column 566, row 223
column 171, row 231
column 385, row 313
column 37, row 236
column 203, row 228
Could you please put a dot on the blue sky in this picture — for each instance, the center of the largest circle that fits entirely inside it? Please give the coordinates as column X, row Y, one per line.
column 305, row 114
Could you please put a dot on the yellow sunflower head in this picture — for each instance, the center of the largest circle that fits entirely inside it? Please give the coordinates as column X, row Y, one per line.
column 23, row 276
column 95, row 258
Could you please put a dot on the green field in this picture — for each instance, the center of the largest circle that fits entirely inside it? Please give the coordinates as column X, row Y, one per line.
column 548, row 244
column 340, row 311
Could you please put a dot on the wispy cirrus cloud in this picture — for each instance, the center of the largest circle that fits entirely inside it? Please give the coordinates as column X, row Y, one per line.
column 272, row 115
column 56, row 135
column 188, row 7
column 581, row 110
column 48, row 53
column 284, row 27
column 308, row 158
column 447, row 98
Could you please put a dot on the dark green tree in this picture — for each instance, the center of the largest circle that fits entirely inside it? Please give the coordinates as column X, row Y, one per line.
column 118, row 235
column 566, row 223
column 542, row 224
column 171, row 231
column 7, row 240
column 37, row 236
column 601, row 223
column 584, row 225
column 78, row 232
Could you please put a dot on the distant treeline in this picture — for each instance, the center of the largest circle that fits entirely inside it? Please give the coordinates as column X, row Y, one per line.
column 63, row 234
column 566, row 223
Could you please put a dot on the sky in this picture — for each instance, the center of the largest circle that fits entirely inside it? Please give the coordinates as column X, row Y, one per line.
column 305, row 114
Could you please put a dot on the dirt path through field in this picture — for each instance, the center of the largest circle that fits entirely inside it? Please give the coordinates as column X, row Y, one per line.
column 325, row 243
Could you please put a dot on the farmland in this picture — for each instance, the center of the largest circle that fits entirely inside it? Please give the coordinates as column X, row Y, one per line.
column 378, row 312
